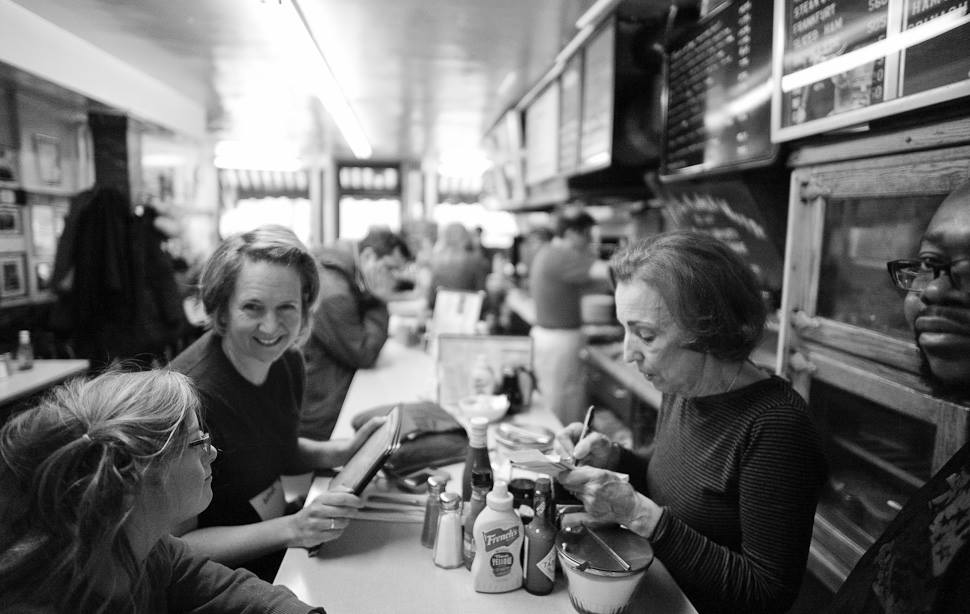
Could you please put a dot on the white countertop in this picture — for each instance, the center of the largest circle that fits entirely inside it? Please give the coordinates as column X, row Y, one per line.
column 378, row 567
column 45, row 373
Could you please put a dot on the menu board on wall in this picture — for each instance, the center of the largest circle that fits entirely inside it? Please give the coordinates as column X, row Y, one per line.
column 718, row 92
column 728, row 211
column 843, row 62
column 570, row 107
column 541, row 136
column 596, row 141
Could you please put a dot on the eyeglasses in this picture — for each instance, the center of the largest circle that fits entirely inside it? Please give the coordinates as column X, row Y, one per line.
column 915, row 275
column 205, row 441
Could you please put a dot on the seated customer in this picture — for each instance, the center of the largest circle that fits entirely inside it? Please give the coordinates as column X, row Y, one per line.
column 258, row 289
column 92, row 482
column 349, row 326
column 921, row 563
column 454, row 263
column 728, row 495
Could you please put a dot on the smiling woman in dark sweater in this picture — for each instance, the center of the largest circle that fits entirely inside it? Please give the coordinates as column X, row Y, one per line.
column 727, row 496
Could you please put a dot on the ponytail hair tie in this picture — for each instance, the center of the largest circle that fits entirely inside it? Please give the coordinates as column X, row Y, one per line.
column 87, row 438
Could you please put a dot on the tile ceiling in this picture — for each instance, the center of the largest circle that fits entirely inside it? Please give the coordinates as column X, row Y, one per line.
column 425, row 77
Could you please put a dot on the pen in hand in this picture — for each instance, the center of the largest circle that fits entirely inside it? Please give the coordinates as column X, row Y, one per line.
column 587, row 423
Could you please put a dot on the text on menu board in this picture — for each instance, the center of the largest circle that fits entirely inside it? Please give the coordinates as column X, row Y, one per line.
column 727, row 211
column 719, row 91
column 843, row 59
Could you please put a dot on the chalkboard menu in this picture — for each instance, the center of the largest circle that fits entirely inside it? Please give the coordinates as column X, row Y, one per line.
column 718, row 92
column 570, row 106
column 843, row 62
column 596, row 141
column 727, row 210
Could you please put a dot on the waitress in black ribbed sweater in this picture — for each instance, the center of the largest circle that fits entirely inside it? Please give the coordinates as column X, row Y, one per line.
column 727, row 496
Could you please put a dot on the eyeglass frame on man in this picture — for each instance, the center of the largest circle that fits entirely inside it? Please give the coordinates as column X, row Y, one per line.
column 896, row 267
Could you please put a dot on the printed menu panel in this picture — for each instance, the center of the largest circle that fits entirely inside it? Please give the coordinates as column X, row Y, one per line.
column 844, row 62
column 820, row 30
column 942, row 60
column 718, row 104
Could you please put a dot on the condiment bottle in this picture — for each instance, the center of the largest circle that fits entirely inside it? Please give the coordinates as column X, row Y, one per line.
column 436, row 486
column 25, row 352
column 511, row 389
column 477, row 456
column 539, row 554
column 481, row 484
column 447, row 545
column 497, row 567
column 483, row 379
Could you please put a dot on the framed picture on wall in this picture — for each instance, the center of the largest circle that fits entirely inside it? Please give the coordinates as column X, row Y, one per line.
column 42, row 229
column 13, row 281
column 47, row 151
column 11, row 220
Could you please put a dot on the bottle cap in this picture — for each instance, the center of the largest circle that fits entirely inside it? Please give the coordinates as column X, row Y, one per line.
column 499, row 499
column 478, row 431
column 450, row 500
column 437, row 482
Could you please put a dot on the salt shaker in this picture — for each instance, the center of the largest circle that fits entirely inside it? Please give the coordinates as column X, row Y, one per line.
column 447, row 545
column 436, row 486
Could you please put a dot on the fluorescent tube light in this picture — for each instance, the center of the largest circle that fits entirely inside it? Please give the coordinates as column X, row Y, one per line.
column 593, row 14
column 332, row 96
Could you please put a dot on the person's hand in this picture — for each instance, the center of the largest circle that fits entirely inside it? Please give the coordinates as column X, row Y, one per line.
column 378, row 279
column 343, row 449
column 323, row 520
column 609, row 497
column 595, row 449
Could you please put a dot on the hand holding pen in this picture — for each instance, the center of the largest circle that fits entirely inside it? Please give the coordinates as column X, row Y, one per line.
column 585, row 446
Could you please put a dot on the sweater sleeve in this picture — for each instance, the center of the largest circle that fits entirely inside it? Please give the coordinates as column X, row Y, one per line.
column 352, row 332
column 780, row 475
column 199, row 585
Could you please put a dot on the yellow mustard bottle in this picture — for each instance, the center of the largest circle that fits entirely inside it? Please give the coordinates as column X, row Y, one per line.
column 497, row 567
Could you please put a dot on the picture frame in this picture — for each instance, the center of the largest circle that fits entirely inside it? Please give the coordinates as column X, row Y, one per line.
column 11, row 220
column 43, row 230
column 47, row 152
column 13, row 278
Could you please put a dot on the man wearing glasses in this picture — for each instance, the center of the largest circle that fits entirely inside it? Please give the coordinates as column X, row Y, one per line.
column 921, row 563
column 349, row 325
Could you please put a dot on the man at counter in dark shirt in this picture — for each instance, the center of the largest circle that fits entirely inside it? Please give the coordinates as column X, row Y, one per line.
column 921, row 563
column 349, row 326
column 561, row 272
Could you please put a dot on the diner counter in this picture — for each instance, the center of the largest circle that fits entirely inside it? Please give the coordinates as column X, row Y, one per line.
column 44, row 374
column 380, row 566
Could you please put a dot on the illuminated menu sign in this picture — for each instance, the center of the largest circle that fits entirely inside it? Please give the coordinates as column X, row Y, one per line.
column 570, row 106
column 596, row 141
column 541, row 136
column 718, row 102
column 843, row 62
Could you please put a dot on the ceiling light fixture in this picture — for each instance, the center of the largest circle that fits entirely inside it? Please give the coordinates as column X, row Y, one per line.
column 328, row 90
column 593, row 14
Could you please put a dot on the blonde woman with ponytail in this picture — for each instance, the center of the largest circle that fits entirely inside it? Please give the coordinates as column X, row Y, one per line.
column 92, row 482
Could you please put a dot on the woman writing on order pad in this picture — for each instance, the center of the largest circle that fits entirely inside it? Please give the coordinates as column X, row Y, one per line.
column 258, row 289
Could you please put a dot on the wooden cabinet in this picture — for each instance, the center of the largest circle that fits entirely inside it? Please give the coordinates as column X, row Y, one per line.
column 854, row 205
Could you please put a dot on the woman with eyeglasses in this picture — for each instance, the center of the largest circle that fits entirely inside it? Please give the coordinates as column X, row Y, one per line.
column 727, row 496
column 258, row 289
column 92, row 482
